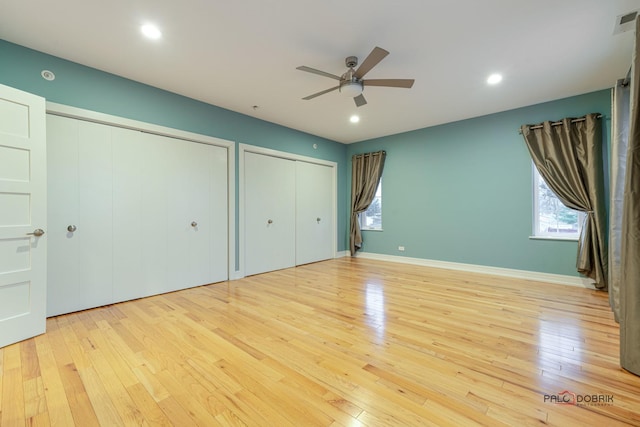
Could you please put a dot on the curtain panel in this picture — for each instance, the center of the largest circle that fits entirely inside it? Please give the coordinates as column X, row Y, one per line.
column 630, row 250
column 620, row 103
column 366, row 170
column 569, row 159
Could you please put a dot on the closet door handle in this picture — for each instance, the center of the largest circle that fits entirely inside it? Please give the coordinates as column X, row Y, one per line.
column 71, row 228
column 269, row 221
column 194, row 224
column 37, row 232
column 318, row 219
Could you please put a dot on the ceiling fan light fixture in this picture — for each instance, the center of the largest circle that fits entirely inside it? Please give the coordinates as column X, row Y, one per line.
column 351, row 89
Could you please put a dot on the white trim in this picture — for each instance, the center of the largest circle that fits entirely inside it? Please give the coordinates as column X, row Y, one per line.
column 343, row 254
column 241, row 222
column 562, row 239
column 282, row 154
column 559, row 279
column 244, row 148
column 107, row 119
column 231, row 213
column 93, row 116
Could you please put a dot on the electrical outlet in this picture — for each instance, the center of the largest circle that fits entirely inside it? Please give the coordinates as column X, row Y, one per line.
column 401, row 248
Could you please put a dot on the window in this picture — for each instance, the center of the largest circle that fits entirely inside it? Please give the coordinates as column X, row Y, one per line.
column 551, row 218
column 371, row 219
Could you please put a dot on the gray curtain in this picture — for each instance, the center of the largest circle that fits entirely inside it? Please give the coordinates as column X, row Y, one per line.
column 620, row 104
column 569, row 159
column 630, row 252
column 366, row 170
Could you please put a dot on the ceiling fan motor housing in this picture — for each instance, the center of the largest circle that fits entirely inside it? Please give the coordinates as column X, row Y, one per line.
column 351, row 61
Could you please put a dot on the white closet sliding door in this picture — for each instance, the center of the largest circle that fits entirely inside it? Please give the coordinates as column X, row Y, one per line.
column 132, row 198
column 80, row 259
column 289, row 212
column 95, row 217
column 62, row 183
column 314, row 212
column 269, row 213
column 140, row 162
column 196, row 214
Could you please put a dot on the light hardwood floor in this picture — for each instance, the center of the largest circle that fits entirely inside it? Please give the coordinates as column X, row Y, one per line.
column 346, row 342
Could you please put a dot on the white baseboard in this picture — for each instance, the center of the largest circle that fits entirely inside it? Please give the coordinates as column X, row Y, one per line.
column 560, row 279
column 343, row 254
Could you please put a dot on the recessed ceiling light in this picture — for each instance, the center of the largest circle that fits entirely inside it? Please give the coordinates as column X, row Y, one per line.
column 354, row 119
column 151, row 31
column 494, row 79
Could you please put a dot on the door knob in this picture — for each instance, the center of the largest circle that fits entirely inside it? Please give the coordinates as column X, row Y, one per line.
column 270, row 222
column 194, row 224
column 37, row 232
column 71, row 228
column 318, row 219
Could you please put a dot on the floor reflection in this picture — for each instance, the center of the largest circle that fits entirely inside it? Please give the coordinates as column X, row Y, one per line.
column 375, row 308
column 560, row 349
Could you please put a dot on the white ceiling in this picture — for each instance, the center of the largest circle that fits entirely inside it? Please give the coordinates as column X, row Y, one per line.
column 237, row 54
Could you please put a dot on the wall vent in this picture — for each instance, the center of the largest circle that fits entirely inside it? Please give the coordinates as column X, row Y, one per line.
column 626, row 22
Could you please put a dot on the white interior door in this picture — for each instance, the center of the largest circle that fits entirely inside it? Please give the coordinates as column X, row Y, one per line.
column 314, row 212
column 23, row 249
column 270, row 222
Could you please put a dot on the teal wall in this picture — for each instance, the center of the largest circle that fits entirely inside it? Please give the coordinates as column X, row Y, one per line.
column 462, row 192
column 83, row 87
column 459, row 192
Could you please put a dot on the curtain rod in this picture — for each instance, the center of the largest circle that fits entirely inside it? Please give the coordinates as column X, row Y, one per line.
column 581, row 119
column 370, row 154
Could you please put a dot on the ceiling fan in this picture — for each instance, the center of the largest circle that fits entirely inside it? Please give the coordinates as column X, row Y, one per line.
column 352, row 82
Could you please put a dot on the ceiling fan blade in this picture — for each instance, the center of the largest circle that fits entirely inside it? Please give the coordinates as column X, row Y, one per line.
column 320, row 93
column 314, row 71
column 406, row 83
column 360, row 101
column 376, row 55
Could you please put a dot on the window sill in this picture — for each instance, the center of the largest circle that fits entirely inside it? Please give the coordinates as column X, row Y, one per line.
column 563, row 239
column 371, row 229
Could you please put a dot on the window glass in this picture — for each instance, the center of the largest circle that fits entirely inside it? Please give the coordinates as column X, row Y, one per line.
column 551, row 217
column 371, row 219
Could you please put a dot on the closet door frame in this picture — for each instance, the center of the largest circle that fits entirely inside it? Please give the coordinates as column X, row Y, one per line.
column 188, row 137
column 242, row 149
